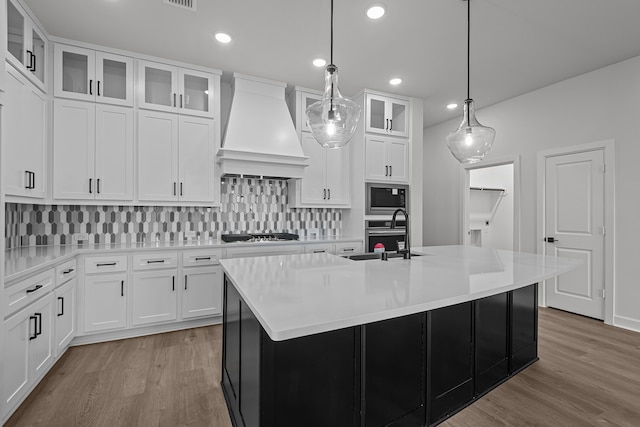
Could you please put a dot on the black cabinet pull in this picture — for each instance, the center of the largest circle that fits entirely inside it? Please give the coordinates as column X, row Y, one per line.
column 324, row 194
column 98, row 82
column 155, row 261
column 34, row 63
column 68, row 270
column 98, row 185
column 181, row 189
column 185, row 282
column 90, row 87
column 329, row 193
column 122, row 288
column 33, row 180
column 348, row 250
column 39, row 328
column 90, row 186
column 61, row 313
column 174, row 188
column 391, row 124
column 319, row 251
column 105, row 264
column 34, row 289
column 387, row 126
column 28, row 186
column 386, row 171
column 203, row 258
column 180, row 100
column 35, row 325
column 31, row 56
column 390, row 170
column 173, row 283
column 174, row 99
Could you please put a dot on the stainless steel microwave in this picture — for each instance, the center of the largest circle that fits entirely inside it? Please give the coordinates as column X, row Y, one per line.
column 384, row 199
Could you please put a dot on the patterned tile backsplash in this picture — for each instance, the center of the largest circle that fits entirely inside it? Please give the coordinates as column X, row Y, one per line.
column 248, row 205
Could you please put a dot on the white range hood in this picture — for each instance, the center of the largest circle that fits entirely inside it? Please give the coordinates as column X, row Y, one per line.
column 260, row 138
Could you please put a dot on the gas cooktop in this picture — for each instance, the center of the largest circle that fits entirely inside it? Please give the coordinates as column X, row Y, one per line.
column 265, row 237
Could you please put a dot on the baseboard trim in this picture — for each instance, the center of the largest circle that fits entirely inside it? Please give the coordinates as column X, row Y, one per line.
column 145, row 330
column 626, row 323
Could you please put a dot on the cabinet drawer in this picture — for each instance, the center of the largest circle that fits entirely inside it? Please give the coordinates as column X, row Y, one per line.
column 105, row 264
column 319, row 248
column 155, row 260
column 22, row 293
column 256, row 251
column 348, row 248
column 201, row 257
column 65, row 272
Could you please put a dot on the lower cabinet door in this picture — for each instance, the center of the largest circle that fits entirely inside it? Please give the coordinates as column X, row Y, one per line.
column 41, row 348
column 524, row 332
column 202, row 292
column 15, row 375
column 154, row 296
column 105, row 302
column 65, row 315
column 492, row 342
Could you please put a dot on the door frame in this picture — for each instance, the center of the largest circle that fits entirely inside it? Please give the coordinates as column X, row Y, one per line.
column 608, row 147
column 465, row 194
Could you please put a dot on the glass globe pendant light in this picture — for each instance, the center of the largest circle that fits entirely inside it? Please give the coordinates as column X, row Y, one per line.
column 471, row 141
column 333, row 120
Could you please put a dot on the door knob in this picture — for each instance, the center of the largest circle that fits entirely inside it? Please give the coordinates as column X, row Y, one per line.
column 550, row 239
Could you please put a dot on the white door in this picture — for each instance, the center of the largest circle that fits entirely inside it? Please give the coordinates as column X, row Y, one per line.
column 398, row 160
column 196, row 159
column 376, row 167
column 74, row 73
column 574, row 228
column 202, row 292
column 313, row 190
column 14, row 129
column 398, row 113
column 337, row 175
column 36, row 143
column 158, row 86
column 65, row 315
column 157, row 156
column 105, row 302
column 154, row 296
column 114, row 153
column 114, row 79
column 195, row 93
column 74, row 128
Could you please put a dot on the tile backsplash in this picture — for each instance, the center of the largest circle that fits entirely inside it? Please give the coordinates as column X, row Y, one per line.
column 247, row 205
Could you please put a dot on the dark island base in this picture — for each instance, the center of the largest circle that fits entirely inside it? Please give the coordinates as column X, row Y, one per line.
column 415, row 370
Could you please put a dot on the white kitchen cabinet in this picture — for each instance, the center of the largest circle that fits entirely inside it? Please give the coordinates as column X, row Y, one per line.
column 65, row 315
column 28, row 350
column 26, row 45
column 172, row 89
column 386, row 115
column 386, row 159
column 326, row 180
column 298, row 100
column 154, row 296
column 105, row 301
column 176, row 157
column 24, row 137
column 318, row 248
column 202, row 292
column 254, row 251
column 346, row 248
column 89, row 75
column 92, row 151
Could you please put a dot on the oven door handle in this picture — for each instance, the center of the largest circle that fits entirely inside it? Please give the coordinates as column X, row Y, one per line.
column 378, row 232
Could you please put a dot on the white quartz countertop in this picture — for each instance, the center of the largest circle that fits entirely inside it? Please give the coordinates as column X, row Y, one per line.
column 297, row 295
column 21, row 262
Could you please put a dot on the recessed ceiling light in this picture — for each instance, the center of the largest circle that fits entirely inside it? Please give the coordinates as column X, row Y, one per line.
column 223, row 37
column 376, row 11
column 319, row 62
column 395, row 81
column 452, row 106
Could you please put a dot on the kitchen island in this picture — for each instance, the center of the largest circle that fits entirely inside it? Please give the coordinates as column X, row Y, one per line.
column 319, row 340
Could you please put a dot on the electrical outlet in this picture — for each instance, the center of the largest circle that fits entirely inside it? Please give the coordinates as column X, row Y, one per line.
column 189, row 234
column 313, row 233
column 80, row 237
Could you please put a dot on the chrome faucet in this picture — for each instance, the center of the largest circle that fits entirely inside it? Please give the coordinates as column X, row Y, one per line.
column 406, row 253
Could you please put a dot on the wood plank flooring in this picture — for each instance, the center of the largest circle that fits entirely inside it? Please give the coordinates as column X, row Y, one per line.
column 588, row 374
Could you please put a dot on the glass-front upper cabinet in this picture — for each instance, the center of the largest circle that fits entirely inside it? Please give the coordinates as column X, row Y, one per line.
column 387, row 116
column 177, row 90
column 26, row 45
column 89, row 75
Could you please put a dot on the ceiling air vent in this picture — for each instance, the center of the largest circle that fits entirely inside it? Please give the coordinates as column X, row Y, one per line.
column 185, row 4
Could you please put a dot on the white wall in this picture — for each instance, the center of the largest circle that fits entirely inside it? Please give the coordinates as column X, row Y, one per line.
column 499, row 233
column 596, row 106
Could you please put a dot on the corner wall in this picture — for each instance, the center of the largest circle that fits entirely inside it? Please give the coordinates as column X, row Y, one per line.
column 596, row 106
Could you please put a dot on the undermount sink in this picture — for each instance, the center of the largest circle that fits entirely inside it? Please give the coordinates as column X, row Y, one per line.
column 376, row 255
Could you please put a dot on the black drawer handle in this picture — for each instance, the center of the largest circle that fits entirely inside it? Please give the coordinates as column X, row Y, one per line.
column 203, row 258
column 35, row 326
column 185, row 282
column 69, row 270
column 155, row 261
column 34, row 289
column 173, row 283
column 105, row 264
column 348, row 250
column 39, row 328
column 122, row 288
column 319, row 251
column 61, row 313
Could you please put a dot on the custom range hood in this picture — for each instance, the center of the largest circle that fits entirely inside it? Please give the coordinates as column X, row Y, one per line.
column 260, row 139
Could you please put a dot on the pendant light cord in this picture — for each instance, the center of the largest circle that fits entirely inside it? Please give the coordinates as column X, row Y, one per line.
column 331, row 32
column 468, row 46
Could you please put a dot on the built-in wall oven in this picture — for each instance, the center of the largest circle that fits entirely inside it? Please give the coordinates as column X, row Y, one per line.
column 384, row 199
column 380, row 231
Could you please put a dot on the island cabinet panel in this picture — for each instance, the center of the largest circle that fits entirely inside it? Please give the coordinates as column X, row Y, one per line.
column 449, row 360
column 231, row 339
column 492, row 341
column 524, row 330
column 394, row 354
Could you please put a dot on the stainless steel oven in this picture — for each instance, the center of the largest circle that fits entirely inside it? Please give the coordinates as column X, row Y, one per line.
column 380, row 231
column 384, row 199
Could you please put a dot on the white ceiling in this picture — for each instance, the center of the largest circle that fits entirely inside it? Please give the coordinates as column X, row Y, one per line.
column 517, row 45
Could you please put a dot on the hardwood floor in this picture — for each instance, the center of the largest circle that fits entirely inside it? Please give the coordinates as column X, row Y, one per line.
column 588, row 374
